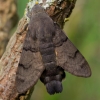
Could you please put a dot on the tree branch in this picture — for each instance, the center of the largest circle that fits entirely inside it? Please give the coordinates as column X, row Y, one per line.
column 8, row 19
column 9, row 62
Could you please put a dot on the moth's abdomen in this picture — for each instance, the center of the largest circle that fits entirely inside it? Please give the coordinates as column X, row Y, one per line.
column 53, row 74
column 48, row 55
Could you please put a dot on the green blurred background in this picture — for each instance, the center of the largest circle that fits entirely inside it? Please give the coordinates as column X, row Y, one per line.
column 83, row 29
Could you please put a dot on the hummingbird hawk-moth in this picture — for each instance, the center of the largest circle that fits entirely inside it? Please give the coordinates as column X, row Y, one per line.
column 46, row 53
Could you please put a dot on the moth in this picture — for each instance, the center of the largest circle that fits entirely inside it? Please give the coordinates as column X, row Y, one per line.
column 47, row 53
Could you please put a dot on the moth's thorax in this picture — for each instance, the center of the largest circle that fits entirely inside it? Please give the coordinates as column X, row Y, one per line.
column 37, row 9
column 42, row 24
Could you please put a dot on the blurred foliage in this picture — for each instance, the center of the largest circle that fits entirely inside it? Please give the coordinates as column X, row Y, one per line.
column 83, row 29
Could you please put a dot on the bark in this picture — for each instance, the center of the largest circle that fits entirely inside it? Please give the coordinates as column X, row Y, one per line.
column 9, row 63
column 10, row 59
column 8, row 19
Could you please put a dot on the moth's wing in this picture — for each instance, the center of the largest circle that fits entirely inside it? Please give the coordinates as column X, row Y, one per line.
column 30, row 65
column 67, row 55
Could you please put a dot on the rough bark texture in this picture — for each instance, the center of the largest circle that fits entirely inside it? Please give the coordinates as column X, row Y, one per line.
column 8, row 19
column 63, row 11
column 10, row 59
column 9, row 63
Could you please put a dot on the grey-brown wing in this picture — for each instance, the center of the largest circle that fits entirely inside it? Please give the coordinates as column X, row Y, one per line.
column 30, row 65
column 67, row 55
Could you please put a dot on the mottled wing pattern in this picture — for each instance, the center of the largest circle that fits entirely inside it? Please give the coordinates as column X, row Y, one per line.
column 68, row 57
column 30, row 66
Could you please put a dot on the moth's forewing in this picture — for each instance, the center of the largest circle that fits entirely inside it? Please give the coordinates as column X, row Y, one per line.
column 68, row 57
column 30, row 65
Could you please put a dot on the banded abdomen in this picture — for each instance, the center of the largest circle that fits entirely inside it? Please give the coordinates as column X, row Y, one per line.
column 53, row 74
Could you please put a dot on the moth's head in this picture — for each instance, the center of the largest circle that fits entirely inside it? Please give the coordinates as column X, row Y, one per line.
column 37, row 9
